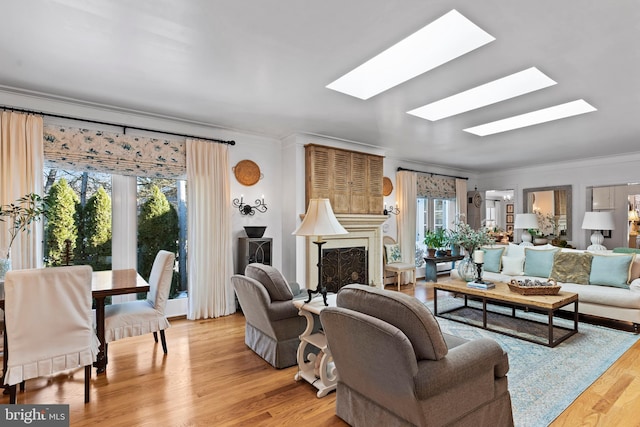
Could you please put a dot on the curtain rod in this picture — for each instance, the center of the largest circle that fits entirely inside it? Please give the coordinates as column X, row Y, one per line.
column 125, row 127
column 432, row 173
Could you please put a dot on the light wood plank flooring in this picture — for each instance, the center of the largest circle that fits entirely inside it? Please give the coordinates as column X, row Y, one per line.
column 210, row 378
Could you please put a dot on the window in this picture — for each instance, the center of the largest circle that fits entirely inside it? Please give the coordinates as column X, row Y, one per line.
column 162, row 224
column 78, row 226
column 78, row 230
column 433, row 214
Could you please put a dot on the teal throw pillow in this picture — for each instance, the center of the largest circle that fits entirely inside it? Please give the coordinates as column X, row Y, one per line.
column 611, row 270
column 492, row 259
column 538, row 263
column 393, row 253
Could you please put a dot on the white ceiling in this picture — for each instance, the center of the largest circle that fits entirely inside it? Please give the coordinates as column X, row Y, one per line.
column 262, row 66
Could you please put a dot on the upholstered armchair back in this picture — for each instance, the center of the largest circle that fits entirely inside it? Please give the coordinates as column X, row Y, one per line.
column 403, row 312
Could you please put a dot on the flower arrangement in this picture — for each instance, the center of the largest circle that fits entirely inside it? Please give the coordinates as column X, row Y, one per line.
column 21, row 213
column 547, row 225
column 468, row 238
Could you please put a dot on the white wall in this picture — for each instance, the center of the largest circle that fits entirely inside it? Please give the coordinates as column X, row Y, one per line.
column 608, row 171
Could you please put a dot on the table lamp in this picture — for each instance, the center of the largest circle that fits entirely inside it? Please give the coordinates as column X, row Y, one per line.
column 319, row 221
column 525, row 221
column 633, row 219
column 598, row 221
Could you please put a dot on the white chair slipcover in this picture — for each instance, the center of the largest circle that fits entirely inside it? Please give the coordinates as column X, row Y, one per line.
column 133, row 318
column 49, row 323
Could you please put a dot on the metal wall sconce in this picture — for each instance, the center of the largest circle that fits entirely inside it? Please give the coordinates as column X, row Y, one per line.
column 246, row 209
column 391, row 210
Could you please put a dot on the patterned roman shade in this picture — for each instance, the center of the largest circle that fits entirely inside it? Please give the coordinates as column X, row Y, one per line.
column 436, row 186
column 110, row 152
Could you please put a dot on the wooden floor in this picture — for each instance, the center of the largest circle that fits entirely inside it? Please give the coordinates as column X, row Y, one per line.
column 210, row 378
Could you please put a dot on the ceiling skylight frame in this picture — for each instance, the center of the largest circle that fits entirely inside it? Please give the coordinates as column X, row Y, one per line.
column 556, row 112
column 511, row 86
column 414, row 55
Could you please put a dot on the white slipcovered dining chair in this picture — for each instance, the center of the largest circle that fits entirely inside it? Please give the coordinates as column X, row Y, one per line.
column 49, row 324
column 133, row 318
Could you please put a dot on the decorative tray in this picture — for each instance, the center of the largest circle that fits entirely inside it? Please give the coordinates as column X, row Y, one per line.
column 247, row 172
column 534, row 287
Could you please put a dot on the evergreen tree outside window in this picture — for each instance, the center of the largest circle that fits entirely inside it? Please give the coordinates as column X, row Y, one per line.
column 61, row 228
column 159, row 226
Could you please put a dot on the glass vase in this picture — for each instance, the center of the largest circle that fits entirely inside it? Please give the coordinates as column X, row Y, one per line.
column 5, row 265
column 467, row 269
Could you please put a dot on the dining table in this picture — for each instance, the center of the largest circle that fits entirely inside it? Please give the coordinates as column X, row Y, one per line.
column 104, row 284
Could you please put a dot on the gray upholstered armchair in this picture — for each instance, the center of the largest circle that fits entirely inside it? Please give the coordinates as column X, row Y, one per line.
column 396, row 367
column 273, row 325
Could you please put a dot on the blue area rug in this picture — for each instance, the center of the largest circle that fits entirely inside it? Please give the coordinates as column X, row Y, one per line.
column 544, row 381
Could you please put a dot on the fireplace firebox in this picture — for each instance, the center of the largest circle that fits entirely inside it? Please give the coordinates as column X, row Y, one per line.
column 343, row 266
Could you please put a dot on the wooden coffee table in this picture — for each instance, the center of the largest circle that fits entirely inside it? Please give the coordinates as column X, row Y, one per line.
column 502, row 295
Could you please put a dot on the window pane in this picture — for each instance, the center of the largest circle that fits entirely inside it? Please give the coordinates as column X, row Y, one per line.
column 78, row 226
column 161, row 217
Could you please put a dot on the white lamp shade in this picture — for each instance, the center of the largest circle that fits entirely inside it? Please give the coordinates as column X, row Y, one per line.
column 598, row 221
column 526, row 221
column 319, row 220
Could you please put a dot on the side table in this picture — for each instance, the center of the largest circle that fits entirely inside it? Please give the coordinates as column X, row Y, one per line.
column 431, row 267
column 328, row 376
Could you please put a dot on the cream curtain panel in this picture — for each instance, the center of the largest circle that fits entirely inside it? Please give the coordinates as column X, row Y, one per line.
column 209, row 234
column 21, row 165
column 407, row 195
column 461, row 200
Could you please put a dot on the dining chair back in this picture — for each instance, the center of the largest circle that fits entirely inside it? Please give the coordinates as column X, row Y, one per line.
column 49, row 324
column 394, row 266
column 133, row 318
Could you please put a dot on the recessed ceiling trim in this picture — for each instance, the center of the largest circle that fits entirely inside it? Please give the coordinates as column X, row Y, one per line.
column 511, row 86
column 448, row 37
column 556, row 112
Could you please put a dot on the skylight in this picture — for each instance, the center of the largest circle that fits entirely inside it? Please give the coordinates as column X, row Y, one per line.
column 556, row 112
column 517, row 84
column 448, row 37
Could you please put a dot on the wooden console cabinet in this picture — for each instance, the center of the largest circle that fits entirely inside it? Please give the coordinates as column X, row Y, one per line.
column 351, row 180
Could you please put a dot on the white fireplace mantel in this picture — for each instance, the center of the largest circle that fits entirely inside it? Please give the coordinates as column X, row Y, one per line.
column 364, row 230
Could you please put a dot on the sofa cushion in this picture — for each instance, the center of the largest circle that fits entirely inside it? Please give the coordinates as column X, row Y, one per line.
column 513, row 265
column 606, row 296
column 402, row 311
column 514, row 250
column 492, row 259
column 571, row 267
column 538, row 262
column 273, row 281
column 635, row 265
column 393, row 253
column 611, row 270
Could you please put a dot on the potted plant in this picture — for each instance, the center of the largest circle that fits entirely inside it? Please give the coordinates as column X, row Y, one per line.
column 452, row 242
column 431, row 241
column 436, row 241
column 19, row 215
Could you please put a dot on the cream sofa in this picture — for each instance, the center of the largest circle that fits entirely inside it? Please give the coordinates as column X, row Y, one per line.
column 611, row 300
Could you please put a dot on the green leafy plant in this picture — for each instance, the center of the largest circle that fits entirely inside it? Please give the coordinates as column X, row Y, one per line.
column 469, row 238
column 21, row 214
column 435, row 239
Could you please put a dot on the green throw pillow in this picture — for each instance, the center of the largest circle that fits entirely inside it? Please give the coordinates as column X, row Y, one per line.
column 571, row 267
column 492, row 259
column 393, row 253
column 626, row 251
column 538, row 263
column 611, row 270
